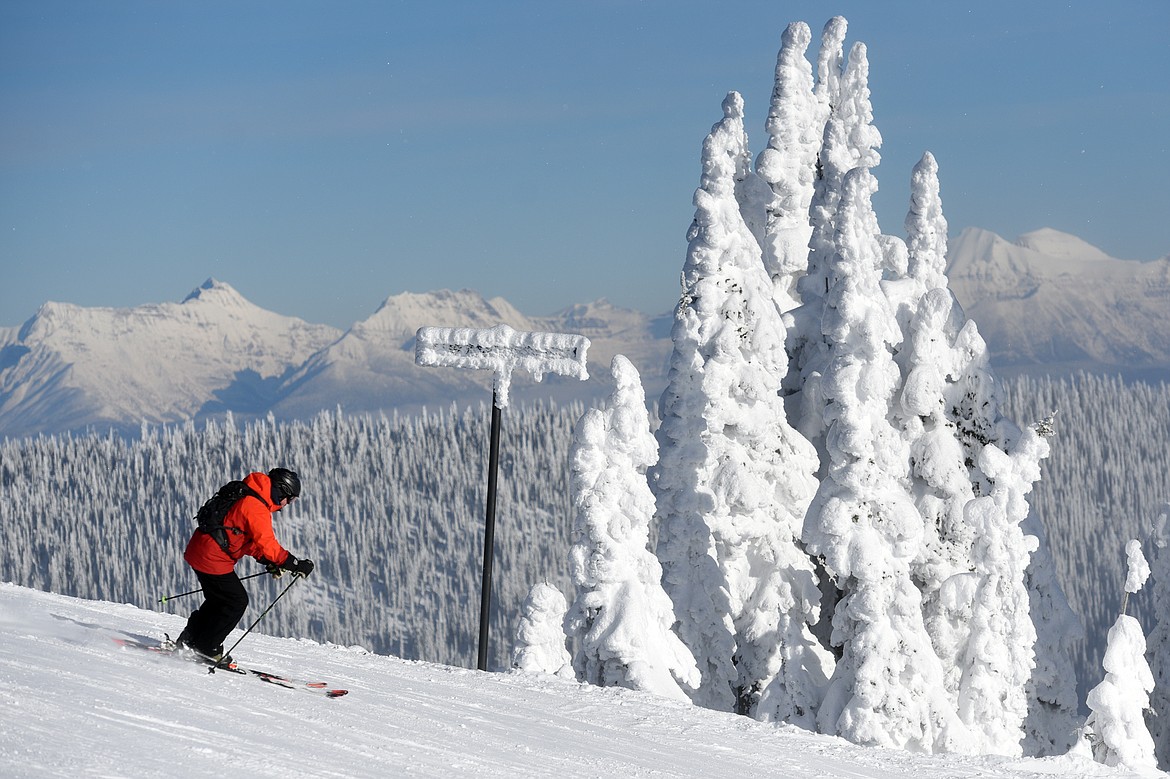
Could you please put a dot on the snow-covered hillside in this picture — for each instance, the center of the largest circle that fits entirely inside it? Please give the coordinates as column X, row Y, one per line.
column 74, row 703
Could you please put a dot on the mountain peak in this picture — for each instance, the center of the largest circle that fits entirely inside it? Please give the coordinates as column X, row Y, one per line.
column 215, row 290
column 1053, row 243
column 155, row 362
column 403, row 314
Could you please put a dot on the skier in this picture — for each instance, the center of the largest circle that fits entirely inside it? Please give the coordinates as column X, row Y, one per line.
column 248, row 526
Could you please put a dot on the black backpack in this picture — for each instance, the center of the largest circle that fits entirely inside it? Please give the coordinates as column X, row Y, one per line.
column 211, row 516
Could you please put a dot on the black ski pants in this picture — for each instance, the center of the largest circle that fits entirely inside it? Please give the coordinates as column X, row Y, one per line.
column 225, row 602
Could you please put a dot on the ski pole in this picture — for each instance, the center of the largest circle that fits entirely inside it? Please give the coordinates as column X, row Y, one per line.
column 296, row 578
column 166, row 598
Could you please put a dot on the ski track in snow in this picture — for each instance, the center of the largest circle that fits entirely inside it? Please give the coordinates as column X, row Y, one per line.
column 74, row 703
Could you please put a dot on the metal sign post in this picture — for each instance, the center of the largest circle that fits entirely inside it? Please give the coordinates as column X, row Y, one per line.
column 489, row 538
column 500, row 349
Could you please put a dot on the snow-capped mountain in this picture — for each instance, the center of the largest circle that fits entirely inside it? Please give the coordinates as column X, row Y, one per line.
column 372, row 366
column 1049, row 302
column 71, row 367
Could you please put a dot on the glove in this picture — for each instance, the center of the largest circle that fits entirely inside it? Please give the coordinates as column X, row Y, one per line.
column 274, row 570
column 298, row 567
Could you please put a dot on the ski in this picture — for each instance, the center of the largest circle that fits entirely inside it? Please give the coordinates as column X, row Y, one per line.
column 168, row 649
column 319, row 688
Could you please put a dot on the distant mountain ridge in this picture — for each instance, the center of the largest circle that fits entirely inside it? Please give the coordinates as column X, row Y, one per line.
column 71, row 367
column 1048, row 302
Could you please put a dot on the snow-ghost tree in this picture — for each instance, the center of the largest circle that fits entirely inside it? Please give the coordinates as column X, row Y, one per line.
column 795, row 129
column 830, row 64
column 1116, row 729
column 887, row 686
column 931, row 321
column 734, row 479
column 1158, row 718
column 540, row 633
column 973, row 406
column 998, row 657
column 926, row 228
column 850, row 140
column 621, row 618
column 949, row 411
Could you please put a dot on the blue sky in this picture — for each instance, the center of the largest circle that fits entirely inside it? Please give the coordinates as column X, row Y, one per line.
column 320, row 156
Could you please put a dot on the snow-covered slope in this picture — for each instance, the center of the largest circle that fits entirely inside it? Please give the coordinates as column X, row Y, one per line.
column 74, row 703
column 1052, row 302
column 71, row 366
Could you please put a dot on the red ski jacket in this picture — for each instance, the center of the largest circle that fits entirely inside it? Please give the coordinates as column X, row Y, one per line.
column 254, row 521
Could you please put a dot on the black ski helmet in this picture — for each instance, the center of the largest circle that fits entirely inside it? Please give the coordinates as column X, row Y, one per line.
column 285, row 484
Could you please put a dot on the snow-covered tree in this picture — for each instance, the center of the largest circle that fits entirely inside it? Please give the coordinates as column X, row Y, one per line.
column 1116, row 729
column 931, row 321
column 998, row 657
column 795, row 128
column 973, row 411
column 540, row 633
column 926, row 228
column 948, row 409
column 621, row 618
column 887, row 687
column 1158, row 647
column 830, row 64
column 734, row 479
column 850, row 141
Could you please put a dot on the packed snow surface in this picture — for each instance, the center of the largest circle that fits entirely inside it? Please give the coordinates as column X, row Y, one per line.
column 75, row 703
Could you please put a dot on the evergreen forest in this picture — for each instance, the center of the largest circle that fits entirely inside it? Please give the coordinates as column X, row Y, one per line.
column 393, row 512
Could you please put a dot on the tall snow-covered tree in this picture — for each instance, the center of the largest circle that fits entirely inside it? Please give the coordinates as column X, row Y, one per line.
column 949, row 411
column 734, row 479
column 621, row 618
column 887, row 687
column 1158, row 649
column 795, row 129
column 998, row 657
column 1116, row 729
column 974, row 407
column 830, row 64
column 850, row 140
column 931, row 321
column 926, row 227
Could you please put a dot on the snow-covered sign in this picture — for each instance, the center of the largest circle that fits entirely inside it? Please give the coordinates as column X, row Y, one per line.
column 502, row 350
